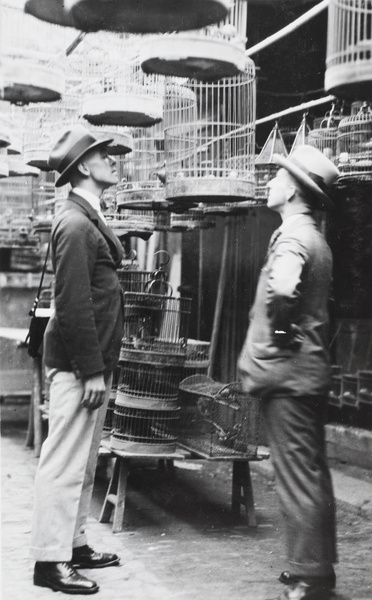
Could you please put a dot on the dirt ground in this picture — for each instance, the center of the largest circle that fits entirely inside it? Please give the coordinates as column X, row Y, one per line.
column 179, row 541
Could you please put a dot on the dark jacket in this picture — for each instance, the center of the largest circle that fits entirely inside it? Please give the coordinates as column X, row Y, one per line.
column 292, row 296
column 84, row 334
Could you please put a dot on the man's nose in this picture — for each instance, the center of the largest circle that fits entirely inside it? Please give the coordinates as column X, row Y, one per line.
column 112, row 160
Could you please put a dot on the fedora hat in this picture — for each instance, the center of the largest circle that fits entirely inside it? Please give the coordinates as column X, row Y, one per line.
column 313, row 169
column 70, row 148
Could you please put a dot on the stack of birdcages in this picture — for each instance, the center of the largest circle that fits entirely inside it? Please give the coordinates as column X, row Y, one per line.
column 218, row 420
column 152, row 360
column 354, row 145
column 208, row 53
column 265, row 168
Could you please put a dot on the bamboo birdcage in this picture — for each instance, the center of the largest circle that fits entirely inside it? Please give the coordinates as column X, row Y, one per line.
column 151, row 16
column 14, row 117
column 114, row 89
column 349, row 49
column 19, row 168
column 218, row 420
column 4, row 167
column 324, row 137
column 197, row 358
column 265, row 168
column 15, row 206
column 30, row 56
column 302, row 134
column 209, row 145
column 208, row 54
column 354, row 145
column 46, row 199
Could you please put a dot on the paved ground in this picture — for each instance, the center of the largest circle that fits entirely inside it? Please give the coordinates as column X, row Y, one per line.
column 179, row 542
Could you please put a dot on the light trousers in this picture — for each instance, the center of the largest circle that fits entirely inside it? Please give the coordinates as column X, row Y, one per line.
column 66, row 470
column 295, row 432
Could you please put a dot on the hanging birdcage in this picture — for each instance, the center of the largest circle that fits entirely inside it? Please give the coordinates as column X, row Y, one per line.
column 134, row 279
column 209, row 144
column 218, row 420
column 19, row 168
column 30, row 56
column 45, row 198
column 14, row 117
column 52, row 11
column 208, row 54
column 324, row 136
column 302, row 135
column 4, row 167
column 114, row 89
column 265, row 169
column 354, row 145
column 15, row 206
column 4, row 129
column 144, row 431
column 190, row 220
column 151, row 16
column 140, row 173
column 349, row 49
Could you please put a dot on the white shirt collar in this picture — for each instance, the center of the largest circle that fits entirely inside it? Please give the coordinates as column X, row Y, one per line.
column 93, row 200
column 290, row 220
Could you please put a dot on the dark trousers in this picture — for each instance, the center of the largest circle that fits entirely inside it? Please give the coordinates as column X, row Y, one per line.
column 295, row 433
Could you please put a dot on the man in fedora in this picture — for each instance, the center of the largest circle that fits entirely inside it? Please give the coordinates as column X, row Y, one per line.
column 285, row 361
column 81, row 350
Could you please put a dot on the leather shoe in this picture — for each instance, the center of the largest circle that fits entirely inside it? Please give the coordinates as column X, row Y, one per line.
column 61, row 577
column 327, row 580
column 86, row 558
column 301, row 590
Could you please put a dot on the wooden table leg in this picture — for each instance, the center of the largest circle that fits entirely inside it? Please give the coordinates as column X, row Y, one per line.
column 116, row 496
column 242, row 492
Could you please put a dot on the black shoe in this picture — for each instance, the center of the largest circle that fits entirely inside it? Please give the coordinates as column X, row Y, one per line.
column 301, row 590
column 86, row 558
column 61, row 577
column 327, row 580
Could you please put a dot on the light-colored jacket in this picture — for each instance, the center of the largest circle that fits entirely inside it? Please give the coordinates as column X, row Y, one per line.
column 286, row 348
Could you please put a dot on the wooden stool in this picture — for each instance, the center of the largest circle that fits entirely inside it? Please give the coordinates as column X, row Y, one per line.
column 116, row 495
column 242, row 492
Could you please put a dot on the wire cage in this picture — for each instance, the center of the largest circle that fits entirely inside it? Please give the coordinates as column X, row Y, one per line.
column 324, row 135
column 140, row 173
column 115, row 91
column 265, row 169
column 46, row 198
column 218, row 420
column 134, row 279
column 4, row 167
column 302, row 134
column 349, row 49
column 197, row 358
column 209, row 140
column 354, row 145
column 144, row 431
column 15, row 207
column 30, row 56
column 154, row 15
column 109, row 417
column 208, row 53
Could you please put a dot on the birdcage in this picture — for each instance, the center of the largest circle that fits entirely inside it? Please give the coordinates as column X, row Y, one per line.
column 208, row 54
column 19, row 168
column 218, row 420
column 4, row 167
column 354, row 145
column 114, row 89
column 4, row 129
column 302, row 134
column 15, row 223
column 150, row 16
column 52, row 11
column 30, row 56
column 265, row 169
column 197, row 358
column 45, row 198
column 144, row 431
column 209, row 144
column 349, row 49
column 14, row 119
column 140, row 173
column 109, row 417
column 134, row 279
column 324, row 136
column 227, row 209
column 190, row 220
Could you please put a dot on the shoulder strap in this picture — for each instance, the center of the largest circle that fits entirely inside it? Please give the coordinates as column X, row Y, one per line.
column 36, row 301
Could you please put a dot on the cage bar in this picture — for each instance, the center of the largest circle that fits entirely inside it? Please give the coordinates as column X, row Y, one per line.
column 265, row 169
column 354, row 145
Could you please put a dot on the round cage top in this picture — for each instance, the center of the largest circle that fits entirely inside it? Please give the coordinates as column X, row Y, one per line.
column 154, row 15
column 349, row 49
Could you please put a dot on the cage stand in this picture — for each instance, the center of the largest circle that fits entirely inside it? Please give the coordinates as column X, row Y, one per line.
column 115, row 499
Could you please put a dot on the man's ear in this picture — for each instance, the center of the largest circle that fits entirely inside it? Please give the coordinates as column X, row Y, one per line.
column 291, row 191
column 83, row 169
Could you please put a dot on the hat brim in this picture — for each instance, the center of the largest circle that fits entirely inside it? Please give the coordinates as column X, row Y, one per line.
column 303, row 178
column 64, row 176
